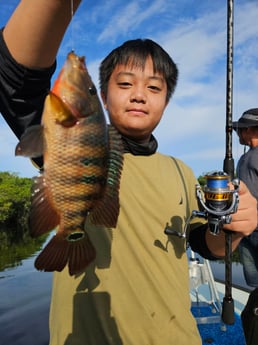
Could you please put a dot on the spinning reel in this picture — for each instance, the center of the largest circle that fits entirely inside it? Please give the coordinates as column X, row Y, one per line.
column 220, row 202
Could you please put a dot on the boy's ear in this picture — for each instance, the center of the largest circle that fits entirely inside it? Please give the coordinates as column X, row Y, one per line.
column 104, row 99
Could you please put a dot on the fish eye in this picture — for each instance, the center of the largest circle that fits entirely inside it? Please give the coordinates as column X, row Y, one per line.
column 92, row 90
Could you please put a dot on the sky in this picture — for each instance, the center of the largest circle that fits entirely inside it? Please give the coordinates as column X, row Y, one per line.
column 194, row 33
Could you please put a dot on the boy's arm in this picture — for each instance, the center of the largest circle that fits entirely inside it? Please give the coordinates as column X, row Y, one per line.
column 35, row 30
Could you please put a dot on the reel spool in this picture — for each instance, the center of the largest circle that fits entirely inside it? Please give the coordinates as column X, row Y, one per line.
column 220, row 201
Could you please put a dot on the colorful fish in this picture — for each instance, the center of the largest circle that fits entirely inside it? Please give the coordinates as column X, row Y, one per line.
column 83, row 160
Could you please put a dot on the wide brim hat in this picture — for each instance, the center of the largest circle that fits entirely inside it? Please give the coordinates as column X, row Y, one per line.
column 248, row 119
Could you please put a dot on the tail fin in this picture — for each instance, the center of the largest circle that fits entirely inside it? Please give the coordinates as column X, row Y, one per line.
column 59, row 252
column 81, row 254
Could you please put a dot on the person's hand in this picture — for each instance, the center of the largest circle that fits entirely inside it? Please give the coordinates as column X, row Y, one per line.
column 244, row 221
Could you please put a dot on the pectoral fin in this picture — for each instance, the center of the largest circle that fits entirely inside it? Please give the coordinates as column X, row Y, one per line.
column 31, row 142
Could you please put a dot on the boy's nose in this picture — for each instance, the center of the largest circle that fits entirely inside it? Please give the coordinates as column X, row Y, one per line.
column 138, row 95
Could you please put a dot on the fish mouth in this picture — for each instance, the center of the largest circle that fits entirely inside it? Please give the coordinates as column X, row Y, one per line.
column 75, row 236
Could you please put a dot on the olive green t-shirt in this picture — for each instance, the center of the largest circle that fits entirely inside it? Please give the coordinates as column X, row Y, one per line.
column 136, row 292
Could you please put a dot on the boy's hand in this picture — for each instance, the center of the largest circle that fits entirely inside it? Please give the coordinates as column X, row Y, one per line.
column 244, row 221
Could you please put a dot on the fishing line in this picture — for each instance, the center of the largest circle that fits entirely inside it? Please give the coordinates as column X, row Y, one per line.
column 72, row 26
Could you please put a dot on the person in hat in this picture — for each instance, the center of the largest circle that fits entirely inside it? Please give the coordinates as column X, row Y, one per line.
column 247, row 170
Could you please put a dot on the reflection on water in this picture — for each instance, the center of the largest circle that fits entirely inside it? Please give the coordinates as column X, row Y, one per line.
column 218, row 269
column 24, row 302
column 25, row 298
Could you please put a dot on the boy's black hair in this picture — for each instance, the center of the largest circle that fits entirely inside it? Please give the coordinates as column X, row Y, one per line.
column 135, row 52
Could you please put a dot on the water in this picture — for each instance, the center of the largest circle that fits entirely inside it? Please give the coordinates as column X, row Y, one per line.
column 25, row 299
column 24, row 305
column 238, row 279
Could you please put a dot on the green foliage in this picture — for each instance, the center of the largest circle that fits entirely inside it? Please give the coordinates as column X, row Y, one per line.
column 15, row 241
column 14, row 203
column 202, row 180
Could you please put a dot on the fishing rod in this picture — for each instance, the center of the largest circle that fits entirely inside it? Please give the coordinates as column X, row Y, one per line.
column 228, row 165
column 220, row 202
column 228, row 315
column 216, row 199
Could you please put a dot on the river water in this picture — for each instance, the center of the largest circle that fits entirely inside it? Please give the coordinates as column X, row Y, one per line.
column 24, row 305
column 25, row 298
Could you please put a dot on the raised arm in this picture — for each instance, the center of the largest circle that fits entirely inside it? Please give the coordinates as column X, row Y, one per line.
column 35, row 30
column 32, row 37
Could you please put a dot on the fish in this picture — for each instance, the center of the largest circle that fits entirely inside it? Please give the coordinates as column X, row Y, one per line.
column 83, row 161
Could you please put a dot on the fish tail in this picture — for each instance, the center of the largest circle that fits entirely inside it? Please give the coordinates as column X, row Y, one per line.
column 59, row 252
column 81, row 254
column 54, row 256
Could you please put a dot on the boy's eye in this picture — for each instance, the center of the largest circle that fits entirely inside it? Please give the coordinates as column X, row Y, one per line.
column 124, row 84
column 154, row 88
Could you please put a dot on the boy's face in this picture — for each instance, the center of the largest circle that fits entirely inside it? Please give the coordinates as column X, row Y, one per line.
column 135, row 100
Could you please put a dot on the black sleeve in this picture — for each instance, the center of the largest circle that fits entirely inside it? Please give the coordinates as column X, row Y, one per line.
column 198, row 243
column 22, row 91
